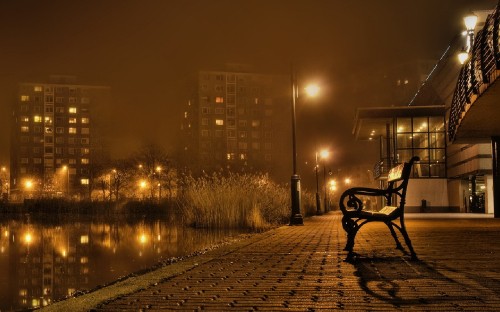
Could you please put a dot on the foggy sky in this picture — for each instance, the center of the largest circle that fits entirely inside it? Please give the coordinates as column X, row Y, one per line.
column 147, row 52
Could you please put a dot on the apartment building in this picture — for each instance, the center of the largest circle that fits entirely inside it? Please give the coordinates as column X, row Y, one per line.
column 238, row 120
column 53, row 138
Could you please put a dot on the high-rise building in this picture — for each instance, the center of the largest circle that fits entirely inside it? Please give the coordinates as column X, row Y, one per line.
column 238, row 120
column 53, row 138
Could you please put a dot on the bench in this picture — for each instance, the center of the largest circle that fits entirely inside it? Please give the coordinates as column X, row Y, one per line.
column 354, row 216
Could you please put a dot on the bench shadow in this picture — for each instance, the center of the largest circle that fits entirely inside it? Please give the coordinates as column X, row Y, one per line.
column 387, row 279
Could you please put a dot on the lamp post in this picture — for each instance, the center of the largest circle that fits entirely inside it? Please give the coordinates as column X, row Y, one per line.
column 158, row 169
column 324, row 155
column 296, row 216
column 318, row 198
column 470, row 24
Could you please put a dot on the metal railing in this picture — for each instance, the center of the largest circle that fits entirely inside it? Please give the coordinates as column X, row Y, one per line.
column 478, row 72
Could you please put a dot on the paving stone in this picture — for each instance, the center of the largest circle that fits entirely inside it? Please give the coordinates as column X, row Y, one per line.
column 301, row 268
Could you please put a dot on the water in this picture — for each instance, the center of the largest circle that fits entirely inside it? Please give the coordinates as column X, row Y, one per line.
column 46, row 258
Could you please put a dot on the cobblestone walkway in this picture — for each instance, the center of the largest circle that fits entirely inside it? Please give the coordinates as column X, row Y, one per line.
column 301, row 268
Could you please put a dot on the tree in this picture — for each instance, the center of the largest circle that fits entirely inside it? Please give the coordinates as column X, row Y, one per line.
column 155, row 168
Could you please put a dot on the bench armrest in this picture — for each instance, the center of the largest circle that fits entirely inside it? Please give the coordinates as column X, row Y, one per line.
column 353, row 203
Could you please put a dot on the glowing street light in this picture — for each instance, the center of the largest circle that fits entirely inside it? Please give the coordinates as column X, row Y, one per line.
column 296, row 216
column 312, row 90
column 463, row 56
column 28, row 184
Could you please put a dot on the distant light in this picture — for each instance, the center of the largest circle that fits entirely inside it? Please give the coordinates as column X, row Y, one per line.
column 470, row 21
column 324, row 154
column 28, row 184
column 312, row 90
column 28, row 238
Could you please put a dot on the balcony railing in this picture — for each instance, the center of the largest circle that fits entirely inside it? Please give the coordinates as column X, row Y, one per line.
column 479, row 71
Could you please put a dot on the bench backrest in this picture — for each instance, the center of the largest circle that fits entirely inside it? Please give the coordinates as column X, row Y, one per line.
column 401, row 173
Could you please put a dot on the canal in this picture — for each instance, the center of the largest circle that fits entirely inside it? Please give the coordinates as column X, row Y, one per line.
column 49, row 257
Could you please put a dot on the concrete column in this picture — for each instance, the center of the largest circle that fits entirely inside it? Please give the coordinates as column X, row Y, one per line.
column 495, row 153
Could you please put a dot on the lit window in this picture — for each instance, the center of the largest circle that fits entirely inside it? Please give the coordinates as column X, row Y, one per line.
column 48, row 129
column 23, row 292
column 84, row 260
column 85, row 151
column 38, row 89
column 72, row 120
column 219, row 99
column 85, row 120
column 25, row 98
column 243, row 156
column 85, row 161
column 84, row 239
column 255, row 123
column 37, row 118
column 230, row 156
column 72, row 130
column 25, row 119
column 25, row 129
column 48, row 120
column 35, row 303
column 219, row 122
column 72, row 110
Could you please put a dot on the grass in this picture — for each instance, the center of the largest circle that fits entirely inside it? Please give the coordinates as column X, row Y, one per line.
column 250, row 201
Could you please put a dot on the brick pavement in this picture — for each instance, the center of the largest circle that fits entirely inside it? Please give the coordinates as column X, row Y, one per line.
column 301, row 268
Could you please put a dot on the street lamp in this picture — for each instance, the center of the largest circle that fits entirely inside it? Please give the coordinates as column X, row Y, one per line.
column 470, row 24
column 318, row 198
column 296, row 216
column 142, row 185
column 158, row 169
column 324, row 155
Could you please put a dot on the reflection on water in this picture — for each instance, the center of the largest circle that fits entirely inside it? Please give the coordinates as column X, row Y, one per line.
column 52, row 257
